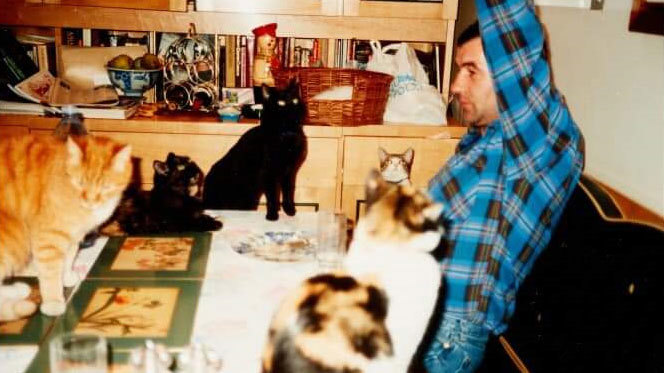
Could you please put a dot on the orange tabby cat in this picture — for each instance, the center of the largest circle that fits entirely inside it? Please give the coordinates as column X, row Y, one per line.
column 53, row 192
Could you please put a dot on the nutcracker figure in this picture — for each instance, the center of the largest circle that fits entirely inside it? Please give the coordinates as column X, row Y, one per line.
column 265, row 58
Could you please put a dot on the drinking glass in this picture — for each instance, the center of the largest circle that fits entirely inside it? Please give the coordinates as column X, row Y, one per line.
column 331, row 236
column 80, row 353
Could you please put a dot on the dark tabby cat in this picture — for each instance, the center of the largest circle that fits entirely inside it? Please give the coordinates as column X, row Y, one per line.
column 173, row 205
column 265, row 159
column 372, row 317
column 395, row 168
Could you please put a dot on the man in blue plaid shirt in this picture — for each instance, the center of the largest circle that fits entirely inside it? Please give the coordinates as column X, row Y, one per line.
column 506, row 186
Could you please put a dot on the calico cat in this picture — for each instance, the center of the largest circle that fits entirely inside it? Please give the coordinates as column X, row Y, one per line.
column 266, row 159
column 173, row 205
column 372, row 316
column 395, row 168
column 53, row 193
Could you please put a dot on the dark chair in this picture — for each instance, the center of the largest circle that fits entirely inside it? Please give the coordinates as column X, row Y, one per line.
column 592, row 301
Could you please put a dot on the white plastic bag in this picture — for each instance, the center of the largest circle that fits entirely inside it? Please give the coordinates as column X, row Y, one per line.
column 412, row 99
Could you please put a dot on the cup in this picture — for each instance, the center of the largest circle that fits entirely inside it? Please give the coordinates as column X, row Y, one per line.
column 331, row 236
column 80, row 353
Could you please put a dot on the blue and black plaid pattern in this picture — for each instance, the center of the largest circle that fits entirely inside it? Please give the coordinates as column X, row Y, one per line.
column 505, row 190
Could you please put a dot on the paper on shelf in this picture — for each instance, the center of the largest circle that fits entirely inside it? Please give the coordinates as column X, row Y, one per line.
column 45, row 89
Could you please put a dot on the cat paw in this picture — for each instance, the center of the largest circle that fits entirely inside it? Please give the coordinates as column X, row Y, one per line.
column 17, row 290
column 289, row 209
column 211, row 224
column 70, row 279
column 272, row 216
column 52, row 308
column 16, row 309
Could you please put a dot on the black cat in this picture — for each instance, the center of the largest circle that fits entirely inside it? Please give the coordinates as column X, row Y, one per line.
column 173, row 205
column 265, row 159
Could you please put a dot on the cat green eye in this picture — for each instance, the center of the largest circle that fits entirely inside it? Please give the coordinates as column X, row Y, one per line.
column 295, row 101
column 281, row 103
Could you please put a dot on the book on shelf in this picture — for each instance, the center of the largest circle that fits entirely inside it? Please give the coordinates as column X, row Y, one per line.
column 123, row 110
column 15, row 64
column 42, row 49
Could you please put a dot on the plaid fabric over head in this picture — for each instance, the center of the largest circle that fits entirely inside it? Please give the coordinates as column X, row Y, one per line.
column 504, row 191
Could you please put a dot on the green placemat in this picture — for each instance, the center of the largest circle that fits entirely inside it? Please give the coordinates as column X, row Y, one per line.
column 127, row 312
column 181, row 256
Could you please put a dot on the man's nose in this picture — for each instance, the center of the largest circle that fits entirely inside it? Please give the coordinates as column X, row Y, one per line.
column 457, row 85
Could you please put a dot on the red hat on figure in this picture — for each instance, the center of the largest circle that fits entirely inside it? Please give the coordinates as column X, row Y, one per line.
column 270, row 29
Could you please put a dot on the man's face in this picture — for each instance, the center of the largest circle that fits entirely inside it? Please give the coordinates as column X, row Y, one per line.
column 473, row 86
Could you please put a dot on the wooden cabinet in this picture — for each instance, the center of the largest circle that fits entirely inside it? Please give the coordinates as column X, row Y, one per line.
column 361, row 155
column 13, row 130
column 400, row 9
column 173, row 5
column 331, row 178
column 299, row 7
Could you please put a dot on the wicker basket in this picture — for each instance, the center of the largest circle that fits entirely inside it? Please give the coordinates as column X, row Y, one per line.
column 367, row 105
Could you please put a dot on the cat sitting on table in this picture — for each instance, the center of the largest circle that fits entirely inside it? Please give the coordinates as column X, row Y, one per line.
column 266, row 159
column 372, row 316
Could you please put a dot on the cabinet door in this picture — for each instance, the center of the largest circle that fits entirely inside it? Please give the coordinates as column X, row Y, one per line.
column 292, row 7
column 175, row 5
column 401, row 9
column 361, row 155
column 13, row 130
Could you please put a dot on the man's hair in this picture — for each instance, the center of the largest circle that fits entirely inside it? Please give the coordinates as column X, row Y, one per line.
column 469, row 33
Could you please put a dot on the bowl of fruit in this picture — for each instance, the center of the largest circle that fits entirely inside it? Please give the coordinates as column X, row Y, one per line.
column 134, row 76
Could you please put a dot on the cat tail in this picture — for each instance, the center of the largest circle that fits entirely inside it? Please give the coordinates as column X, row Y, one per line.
column 13, row 302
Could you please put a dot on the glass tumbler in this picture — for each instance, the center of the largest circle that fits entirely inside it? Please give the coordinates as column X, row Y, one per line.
column 80, row 353
column 331, row 236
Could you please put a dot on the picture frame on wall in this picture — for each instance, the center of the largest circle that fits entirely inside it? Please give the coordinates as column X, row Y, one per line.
column 647, row 16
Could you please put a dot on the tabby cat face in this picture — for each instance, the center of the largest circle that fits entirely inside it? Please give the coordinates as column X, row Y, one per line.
column 395, row 168
column 179, row 174
column 98, row 169
column 283, row 106
column 399, row 215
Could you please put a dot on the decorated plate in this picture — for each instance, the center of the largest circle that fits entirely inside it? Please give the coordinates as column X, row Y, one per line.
column 279, row 246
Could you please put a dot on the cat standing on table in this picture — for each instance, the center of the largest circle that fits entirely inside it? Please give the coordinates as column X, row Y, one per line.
column 372, row 317
column 53, row 193
column 265, row 159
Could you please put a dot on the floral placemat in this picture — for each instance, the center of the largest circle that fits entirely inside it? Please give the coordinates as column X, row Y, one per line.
column 163, row 256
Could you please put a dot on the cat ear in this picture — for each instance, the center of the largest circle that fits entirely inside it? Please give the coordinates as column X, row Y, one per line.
column 375, row 187
column 408, row 156
column 382, row 154
column 293, row 85
column 122, row 158
column 266, row 91
column 160, row 167
column 74, row 153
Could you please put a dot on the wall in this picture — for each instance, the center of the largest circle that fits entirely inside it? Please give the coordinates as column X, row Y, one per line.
column 613, row 81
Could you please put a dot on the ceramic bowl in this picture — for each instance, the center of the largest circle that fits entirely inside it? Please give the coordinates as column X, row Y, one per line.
column 133, row 82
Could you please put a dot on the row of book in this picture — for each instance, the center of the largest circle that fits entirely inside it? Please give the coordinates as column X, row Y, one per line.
column 233, row 58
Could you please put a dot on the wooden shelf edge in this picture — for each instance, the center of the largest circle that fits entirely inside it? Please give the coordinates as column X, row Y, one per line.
column 303, row 26
column 197, row 124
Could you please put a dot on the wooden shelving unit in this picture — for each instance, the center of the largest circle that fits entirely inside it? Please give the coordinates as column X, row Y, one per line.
column 339, row 157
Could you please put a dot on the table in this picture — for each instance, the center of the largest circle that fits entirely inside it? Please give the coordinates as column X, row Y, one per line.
column 238, row 293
